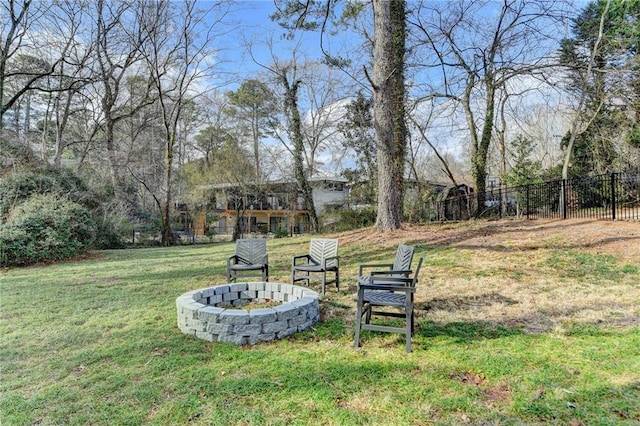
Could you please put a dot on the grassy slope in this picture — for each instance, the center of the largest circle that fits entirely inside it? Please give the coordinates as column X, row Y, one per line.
column 515, row 339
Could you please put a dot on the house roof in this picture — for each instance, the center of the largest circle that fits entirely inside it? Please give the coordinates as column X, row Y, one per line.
column 312, row 179
column 279, row 182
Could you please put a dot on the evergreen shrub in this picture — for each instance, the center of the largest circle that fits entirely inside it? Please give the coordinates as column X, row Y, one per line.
column 45, row 228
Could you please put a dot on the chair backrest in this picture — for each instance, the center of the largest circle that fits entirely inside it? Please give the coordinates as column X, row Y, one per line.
column 404, row 257
column 321, row 248
column 252, row 250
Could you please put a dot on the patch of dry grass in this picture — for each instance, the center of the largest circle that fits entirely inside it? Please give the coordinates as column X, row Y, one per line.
column 535, row 275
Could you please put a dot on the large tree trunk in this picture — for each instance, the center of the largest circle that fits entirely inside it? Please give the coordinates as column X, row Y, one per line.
column 388, row 109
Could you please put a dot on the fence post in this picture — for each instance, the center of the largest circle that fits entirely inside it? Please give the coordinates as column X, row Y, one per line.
column 527, row 201
column 564, row 199
column 613, row 196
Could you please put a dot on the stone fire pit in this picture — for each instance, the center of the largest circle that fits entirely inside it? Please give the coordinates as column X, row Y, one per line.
column 215, row 313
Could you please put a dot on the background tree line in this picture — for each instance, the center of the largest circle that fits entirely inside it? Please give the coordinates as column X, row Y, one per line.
column 134, row 98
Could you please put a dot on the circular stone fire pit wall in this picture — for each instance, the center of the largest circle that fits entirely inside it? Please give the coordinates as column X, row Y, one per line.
column 205, row 313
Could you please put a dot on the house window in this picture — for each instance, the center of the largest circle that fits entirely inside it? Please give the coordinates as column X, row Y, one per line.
column 334, row 186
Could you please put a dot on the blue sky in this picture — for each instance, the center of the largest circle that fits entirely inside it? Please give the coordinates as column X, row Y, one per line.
column 245, row 18
column 250, row 22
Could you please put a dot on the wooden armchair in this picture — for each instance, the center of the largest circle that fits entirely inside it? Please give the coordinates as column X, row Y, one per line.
column 250, row 259
column 322, row 259
column 378, row 294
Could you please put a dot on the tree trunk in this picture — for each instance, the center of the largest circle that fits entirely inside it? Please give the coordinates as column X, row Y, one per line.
column 166, row 210
column 255, row 134
column 298, row 144
column 479, row 160
column 577, row 121
column 62, row 111
column 388, row 109
column 117, row 181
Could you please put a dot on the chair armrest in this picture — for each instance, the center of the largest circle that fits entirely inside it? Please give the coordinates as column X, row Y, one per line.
column 303, row 256
column 331, row 258
column 387, row 287
column 237, row 259
column 406, row 273
column 232, row 260
column 372, row 265
column 388, row 284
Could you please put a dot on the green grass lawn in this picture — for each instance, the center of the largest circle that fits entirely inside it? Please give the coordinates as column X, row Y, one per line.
column 526, row 339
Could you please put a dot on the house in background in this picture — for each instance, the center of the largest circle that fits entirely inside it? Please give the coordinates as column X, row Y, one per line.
column 277, row 207
column 272, row 207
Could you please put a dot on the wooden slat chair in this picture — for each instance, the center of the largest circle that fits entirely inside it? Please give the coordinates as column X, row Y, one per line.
column 322, row 259
column 401, row 266
column 250, row 259
column 382, row 291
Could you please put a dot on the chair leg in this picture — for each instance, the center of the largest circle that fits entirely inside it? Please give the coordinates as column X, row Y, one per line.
column 413, row 316
column 337, row 280
column 324, row 280
column 409, row 325
column 356, row 341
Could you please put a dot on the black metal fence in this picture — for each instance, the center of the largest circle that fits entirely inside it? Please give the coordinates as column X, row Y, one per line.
column 615, row 196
